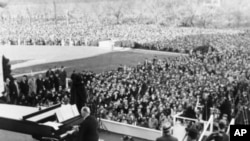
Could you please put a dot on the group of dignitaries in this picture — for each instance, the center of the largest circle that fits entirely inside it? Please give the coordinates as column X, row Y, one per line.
column 32, row 91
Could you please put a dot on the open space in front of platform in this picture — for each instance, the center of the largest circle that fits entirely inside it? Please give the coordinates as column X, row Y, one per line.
column 97, row 63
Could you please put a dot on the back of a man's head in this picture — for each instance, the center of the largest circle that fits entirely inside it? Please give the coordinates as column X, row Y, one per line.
column 193, row 134
column 166, row 128
column 85, row 111
column 222, row 125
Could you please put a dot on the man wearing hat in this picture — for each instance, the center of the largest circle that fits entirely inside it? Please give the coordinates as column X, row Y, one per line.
column 166, row 130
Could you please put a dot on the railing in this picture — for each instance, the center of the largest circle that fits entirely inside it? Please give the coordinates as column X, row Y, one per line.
column 141, row 132
column 131, row 130
column 177, row 116
column 209, row 123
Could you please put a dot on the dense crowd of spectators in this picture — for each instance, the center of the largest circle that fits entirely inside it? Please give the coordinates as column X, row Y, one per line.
column 150, row 93
column 144, row 36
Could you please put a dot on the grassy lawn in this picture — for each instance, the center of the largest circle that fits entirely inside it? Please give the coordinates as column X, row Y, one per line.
column 99, row 63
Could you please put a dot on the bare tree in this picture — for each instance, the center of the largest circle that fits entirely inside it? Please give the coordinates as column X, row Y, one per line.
column 29, row 15
column 158, row 9
column 98, row 12
column 118, row 9
column 55, row 12
column 206, row 16
column 187, row 13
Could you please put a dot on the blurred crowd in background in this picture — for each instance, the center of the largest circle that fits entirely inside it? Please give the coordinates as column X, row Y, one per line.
column 145, row 36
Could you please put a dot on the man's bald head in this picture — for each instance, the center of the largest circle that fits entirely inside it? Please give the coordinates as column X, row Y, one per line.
column 85, row 111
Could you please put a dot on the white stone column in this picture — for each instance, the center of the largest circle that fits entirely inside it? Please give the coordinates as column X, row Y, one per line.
column 1, row 75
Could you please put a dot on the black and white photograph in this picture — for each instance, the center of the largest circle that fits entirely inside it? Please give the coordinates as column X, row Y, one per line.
column 124, row 70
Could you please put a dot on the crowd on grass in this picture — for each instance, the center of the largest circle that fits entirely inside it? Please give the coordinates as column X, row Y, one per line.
column 151, row 92
column 146, row 36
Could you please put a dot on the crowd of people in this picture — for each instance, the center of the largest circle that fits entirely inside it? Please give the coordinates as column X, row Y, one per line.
column 43, row 91
column 150, row 93
column 147, row 36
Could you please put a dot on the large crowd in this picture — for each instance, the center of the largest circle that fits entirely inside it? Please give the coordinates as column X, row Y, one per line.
column 147, row 36
column 151, row 92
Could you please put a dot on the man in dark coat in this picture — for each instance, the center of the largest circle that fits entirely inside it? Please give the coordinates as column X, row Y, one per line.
column 63, row 76
column 88, row 128
column 56, row 82
column 208, row 103
column 47, row 84
column 24, row 86
column 78, row 92
column 13, row 89
column 49, row 73
column 190, row 112
column 225, row 108
column 166, row 133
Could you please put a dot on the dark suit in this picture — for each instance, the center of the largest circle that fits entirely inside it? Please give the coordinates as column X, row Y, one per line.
column 218, row 136
column 40, row 85
column 167, row 138
column 56, row 83
column 13, row 92
column 63, row 76
column 88, row 130
column 78, row 92
column 24, row 88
